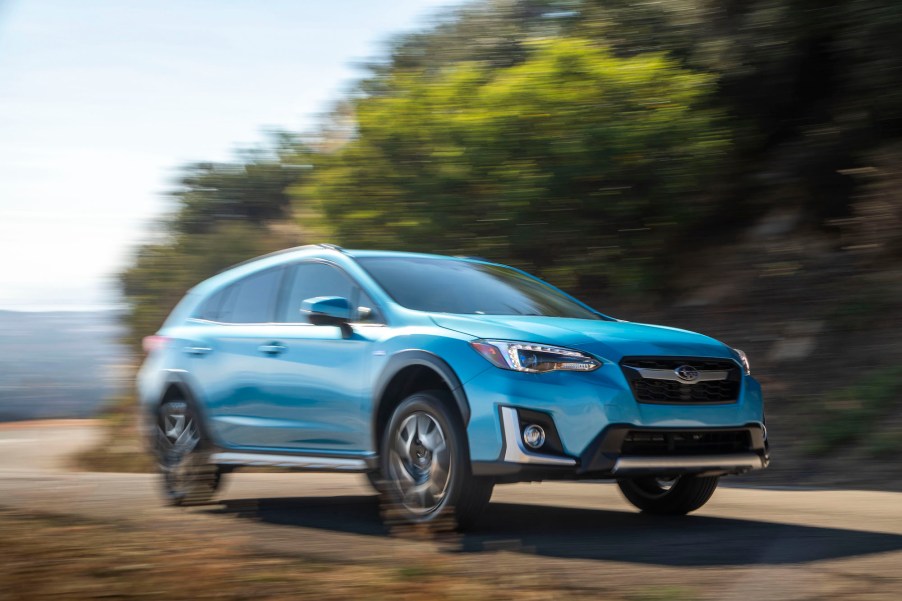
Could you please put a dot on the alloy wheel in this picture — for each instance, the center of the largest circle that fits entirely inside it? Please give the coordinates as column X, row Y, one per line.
column 185, row 474
column 420, row 463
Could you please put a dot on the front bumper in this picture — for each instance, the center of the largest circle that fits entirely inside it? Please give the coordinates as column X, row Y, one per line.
column 733, row 463
column 624, row 450
column 627, row 450
column 593, row 414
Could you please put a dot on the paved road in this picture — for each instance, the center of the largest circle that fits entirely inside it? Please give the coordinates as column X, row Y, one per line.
column 746, row 543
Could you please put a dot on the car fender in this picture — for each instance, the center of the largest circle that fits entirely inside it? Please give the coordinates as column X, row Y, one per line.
column 185, row 383
column 409, row 357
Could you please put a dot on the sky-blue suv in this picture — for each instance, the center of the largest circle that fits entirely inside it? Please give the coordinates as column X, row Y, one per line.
column 438, row 377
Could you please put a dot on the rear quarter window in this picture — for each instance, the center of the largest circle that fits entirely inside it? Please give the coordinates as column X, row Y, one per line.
column 210, row 309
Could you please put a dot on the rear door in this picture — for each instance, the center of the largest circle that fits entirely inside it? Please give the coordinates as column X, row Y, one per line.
column 227, row 362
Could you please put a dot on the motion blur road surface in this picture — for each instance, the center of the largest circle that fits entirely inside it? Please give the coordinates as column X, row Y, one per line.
column 746, row 543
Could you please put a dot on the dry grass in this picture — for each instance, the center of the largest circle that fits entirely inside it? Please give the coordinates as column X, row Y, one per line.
column 66, row 557
column 120, row 449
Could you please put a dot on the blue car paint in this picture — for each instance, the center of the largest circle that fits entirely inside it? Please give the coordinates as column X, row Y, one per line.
column 252, row 400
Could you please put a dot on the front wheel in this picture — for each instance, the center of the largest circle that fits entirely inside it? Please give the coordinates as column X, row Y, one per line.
column 668, row 496
column 425, row 465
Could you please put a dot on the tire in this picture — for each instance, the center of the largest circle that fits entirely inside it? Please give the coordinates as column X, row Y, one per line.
column 182, row 456
column 425, row 464
column 374, row 479
column 678, row 496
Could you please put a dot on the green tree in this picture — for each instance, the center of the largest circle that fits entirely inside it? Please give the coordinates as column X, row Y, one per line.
column 161, row 273
column 225, row 213
column 572, row 160
column 253, row 189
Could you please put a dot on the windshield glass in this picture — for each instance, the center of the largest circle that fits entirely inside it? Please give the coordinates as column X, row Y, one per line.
column 453, row 286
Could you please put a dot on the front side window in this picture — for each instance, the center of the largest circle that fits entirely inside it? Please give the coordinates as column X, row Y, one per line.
column 310, row 280
column 465, row 287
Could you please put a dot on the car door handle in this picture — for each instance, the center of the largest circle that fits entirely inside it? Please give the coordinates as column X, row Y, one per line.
column 272, row 349
column 197, row 350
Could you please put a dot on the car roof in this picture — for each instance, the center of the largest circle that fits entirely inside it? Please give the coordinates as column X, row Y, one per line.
column 305, row 250
column 322, row 251
column 366, row 254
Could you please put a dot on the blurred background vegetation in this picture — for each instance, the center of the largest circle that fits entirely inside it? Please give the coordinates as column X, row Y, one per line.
column 733, row 167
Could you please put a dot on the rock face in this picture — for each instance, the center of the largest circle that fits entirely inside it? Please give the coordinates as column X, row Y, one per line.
column 798, row 342
column 818, row 318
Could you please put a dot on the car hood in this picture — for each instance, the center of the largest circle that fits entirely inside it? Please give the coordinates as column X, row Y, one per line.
column 610, row 340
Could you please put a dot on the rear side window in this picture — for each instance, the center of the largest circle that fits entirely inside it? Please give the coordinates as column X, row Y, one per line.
column 249, row 300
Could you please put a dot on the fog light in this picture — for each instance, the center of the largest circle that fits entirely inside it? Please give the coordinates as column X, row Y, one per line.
column 533, row 436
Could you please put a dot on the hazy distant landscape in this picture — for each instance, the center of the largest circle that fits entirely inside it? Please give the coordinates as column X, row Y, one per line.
column 59, row 364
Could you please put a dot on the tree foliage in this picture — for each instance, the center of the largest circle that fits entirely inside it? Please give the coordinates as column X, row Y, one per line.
column 225, row 213
column 591, row 137
column 563, row 162
column 252, row 189
column 162, row 272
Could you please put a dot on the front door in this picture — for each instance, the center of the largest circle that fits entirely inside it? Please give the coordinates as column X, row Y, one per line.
column 317, row 387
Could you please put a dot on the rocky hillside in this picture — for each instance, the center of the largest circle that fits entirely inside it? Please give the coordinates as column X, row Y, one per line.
column 821, row 328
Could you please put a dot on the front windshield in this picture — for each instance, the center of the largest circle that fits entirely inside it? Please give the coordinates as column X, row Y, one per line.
column 455, row 286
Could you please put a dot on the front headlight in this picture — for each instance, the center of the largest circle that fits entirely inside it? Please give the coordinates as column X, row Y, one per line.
column 744, row 360
column 533, row 358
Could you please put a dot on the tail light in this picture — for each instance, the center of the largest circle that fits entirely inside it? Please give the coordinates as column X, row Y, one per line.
column 154, row 343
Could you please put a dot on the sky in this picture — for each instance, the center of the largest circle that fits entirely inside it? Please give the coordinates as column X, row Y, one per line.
column 102, row 101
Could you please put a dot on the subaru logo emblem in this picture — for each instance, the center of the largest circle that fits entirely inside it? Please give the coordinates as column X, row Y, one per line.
column 686, row 373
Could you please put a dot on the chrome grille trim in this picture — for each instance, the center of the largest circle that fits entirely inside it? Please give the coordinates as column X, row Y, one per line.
column 678, row 380
column 671, row 375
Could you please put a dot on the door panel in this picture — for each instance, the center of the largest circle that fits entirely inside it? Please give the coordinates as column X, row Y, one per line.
column 317, row 393
column 232, row 376
column 313, row 394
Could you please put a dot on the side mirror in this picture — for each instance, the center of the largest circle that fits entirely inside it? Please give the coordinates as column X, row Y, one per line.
column 327, row 311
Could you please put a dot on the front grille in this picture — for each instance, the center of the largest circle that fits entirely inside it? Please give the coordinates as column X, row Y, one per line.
column 648, row 390
column 663, row 391
column 646, row 443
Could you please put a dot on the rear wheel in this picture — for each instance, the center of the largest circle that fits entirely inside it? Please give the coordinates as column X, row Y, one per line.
column 668, row 496
column 182, row 456
column 425, row 465
column 375, row 481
